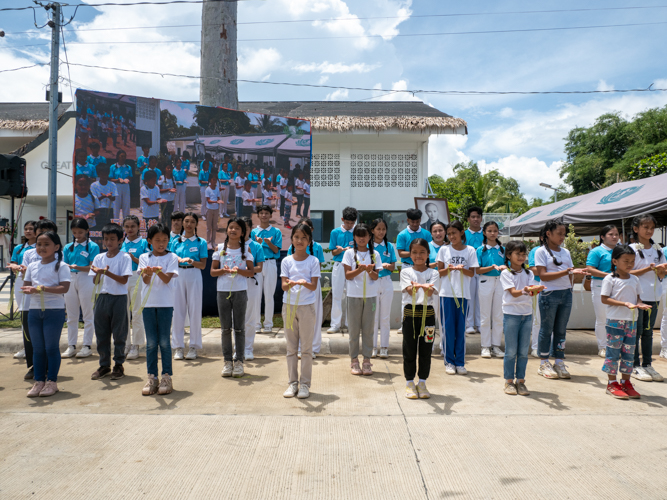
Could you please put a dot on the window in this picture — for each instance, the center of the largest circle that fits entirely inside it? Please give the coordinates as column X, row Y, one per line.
column 378, row 170
column 323, row 224
column 325, row 170
column 396, row 221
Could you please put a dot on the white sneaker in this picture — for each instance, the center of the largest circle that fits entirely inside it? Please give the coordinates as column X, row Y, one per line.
column 602, row 353
column 496, row 352
column 248, row 356
column 374, row 354
column 400, row 331
column 450, row 369
column 69, row 352
column 20, row 354
column 561, row 370
column 384, row 352
column 470, row 330
column 134, row 352
column 268, row 329
column 298, row 354
column 314, row 355
column 192, row 353
column 178, row 353
column 640, row 373
column 486, row 352
column 547, row 371
column 461, row 370
column 654, row 374
column 227, row 369
column 238, row 371
column 534, row 354
column 291, row 390
column 333, row 330
column 304, row 392
column 84, row 352
column 203, row 217
column 663, row 353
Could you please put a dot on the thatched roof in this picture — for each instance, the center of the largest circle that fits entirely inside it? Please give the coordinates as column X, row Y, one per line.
column 26, row 125
column 428, row 124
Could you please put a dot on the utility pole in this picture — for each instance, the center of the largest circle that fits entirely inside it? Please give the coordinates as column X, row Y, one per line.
column 52, row 200
column 218, row 66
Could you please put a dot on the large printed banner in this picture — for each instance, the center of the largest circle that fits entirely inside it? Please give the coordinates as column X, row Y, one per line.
column 131, row 152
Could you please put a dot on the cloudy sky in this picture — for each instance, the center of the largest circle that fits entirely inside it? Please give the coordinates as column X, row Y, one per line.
column 384, row 45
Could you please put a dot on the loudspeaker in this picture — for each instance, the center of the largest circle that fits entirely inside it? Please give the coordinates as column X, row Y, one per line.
column 12, row 176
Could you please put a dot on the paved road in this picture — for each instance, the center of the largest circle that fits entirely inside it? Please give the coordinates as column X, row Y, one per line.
column 356, row 437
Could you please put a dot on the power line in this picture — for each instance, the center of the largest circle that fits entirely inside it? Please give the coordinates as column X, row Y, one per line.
column 22, row 67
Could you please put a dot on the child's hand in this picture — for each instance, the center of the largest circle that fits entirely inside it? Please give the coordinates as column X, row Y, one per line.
column 73, row 267
column 235, row 270
column 500, row 268
column 99, row 270
column 338, row 247
column 259, row 240
column 580, row 271
column 147, row 271
column 644, row 307
column 385, row 266
column 29, row 290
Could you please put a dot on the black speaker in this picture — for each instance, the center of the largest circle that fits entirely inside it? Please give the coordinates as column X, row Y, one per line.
column 12, row 176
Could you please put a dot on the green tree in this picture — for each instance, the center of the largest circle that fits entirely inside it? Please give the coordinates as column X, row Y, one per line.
column 220, row 121
column 267, row 124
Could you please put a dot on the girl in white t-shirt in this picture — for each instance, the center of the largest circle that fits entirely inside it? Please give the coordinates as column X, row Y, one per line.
column 650, row 267
column 362, row 264
column 555, row 269
column 518, row 285
column 621, row 295
column 300, row 273
column 457, row 263
column 158, row 270
column 233, row 262
column 419, row 294
column 48, row 280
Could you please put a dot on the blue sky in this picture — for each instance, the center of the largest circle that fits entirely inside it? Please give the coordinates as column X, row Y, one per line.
column 519, row 135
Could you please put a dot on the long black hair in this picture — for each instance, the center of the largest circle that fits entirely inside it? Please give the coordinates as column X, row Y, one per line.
column 422, row 243
column 362, row 230
column 81, row 223
column 636, row 222
column 196, row 217
column 459, row 227
column 305, row 228
column 375, row 224
column 239, row 222
column 515, row 246
column 53, row 236
column 491, row 223
column 550, row 226
column 616, row 253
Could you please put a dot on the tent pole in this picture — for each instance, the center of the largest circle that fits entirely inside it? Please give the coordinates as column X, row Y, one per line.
column 623, row 229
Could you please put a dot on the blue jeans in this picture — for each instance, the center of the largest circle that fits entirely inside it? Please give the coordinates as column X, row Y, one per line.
column 157, row 323
column 454, row 320
column 517, row 344
column 239, row 206
column 45, row 329
column 555, row 310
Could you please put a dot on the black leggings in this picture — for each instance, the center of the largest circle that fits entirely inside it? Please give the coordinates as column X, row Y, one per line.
column 27, row 344
column 414, row 344
column 645, row 334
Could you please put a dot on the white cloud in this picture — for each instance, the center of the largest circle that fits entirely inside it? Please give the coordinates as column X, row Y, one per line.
column 602, row 85
column 338, row 95
column 388, row 28
column 184, row 113
column 333, row 68
column 396, row 95
column 529, row 172
column 445, row 151
column 258, row 64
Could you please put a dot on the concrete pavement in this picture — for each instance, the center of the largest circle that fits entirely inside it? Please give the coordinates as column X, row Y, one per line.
column 355, row 437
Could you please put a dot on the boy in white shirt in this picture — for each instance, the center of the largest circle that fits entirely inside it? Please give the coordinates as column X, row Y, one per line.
column 106, row 192
column 150, row 198
column 213, row 202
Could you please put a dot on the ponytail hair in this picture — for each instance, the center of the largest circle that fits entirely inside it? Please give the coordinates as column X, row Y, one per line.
column 81, row 223
column 362, row 229
column 616, row 253
column 375, row 224
column 491, row 223
column 53, row 236
column 239, row 222
column 305, row 228
column 550, row 226
column 515, row 246
column 638, row 221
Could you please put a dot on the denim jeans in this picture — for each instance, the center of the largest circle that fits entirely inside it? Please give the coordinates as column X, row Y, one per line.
column 620, row 345
column 231, row 309
column 454, row 320
column 645, row 334
column 517, row 344
column 45, row 329
column 555, row 310
column 157, row 322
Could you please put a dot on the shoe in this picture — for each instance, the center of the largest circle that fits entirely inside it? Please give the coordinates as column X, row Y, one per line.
column 30, row 375
column 423, row 391
column 375, row 353
column 486, row 352
column 36, row 389
column 69, row 352
column 287, row 226
column 354, row 367
column 654, row 374
column 366, row 367
column 534, row 354
column 640, row 373
column 629, row 389
column 50, row 388
column 258, row 329
column 118, row 372
column 248, row 356
column 314, row 355
column 298, row 354
column 333, row 330
column 166, row 385
column 268, row 330
column 20, row 354
column 151, row 386
column 227, row 369
column 602, row 353
column 470, row 330
column 101, row 372
column 384, row 352
column 546, row 370
column 291, row 390
column 561, row 370
column 411, row 391
column 450, row 369
column 461, row 370
column 521, row 389
column 238, row 371
column 510, row 388
column 496, row 352
column 178, row 353
column 400, row 331
column 304, row 392
column 192, row 353
column 134, row 352
column 663, row 353
column 616, row 390
column 203, row 217
column 84, row 352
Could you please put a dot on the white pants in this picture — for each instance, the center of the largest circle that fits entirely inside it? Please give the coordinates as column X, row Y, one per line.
column 438, row 320
column 490, row 295
column 269, row 280
column 80, row 294
column 385, row 289
column 202, row 192
column 472, row 318
column 179, row 201
column 535, row 330
column 600, row 314
column 224, row 196
column 122, row 201
column 338, row 287
column 663, row 324
column 136, row 334
column 188, row 298
column 317, row 335
column 253, row 309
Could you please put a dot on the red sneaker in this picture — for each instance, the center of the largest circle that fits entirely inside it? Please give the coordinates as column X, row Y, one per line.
column 629, row 390
column 615, row 389
column 287, row 226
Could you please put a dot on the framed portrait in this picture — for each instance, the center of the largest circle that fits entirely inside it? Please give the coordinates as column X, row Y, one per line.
column 433, row 209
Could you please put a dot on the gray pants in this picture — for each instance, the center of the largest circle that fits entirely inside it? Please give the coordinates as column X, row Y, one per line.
column 302, row 330
column 111, row 319
column 232, row 309
column 361, row 319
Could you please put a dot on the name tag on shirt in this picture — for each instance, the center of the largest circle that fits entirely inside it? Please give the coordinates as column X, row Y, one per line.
column 84, row 253
column 194, row 249
column 133, row 250
column 386, row 254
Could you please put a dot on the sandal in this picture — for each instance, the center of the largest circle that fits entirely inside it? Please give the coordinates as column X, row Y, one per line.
column 366, row 367
column 355, row 370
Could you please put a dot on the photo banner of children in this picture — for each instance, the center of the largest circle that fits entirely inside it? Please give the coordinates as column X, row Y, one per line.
column 150, row 158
